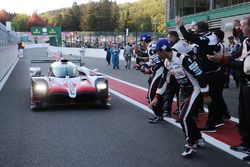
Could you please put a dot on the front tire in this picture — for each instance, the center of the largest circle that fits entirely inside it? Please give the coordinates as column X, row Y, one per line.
column 105, row 105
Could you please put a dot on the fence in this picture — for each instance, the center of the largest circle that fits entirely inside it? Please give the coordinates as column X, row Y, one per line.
column 90, row 39
column 101, row 39
column 7, row 37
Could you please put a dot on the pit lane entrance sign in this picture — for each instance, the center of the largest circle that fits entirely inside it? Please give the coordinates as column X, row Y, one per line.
column 53, row 32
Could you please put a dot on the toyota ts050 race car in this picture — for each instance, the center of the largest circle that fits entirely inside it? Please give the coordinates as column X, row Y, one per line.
column 67, row 83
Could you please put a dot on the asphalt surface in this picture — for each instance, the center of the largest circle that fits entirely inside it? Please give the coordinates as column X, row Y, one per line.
column 89, row 136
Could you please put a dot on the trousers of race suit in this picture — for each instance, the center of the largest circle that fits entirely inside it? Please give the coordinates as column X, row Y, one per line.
column 217, row 108
column 153, row 85
column 191, row 99
column 244, row 114
column 172, row 90
column 115, row 61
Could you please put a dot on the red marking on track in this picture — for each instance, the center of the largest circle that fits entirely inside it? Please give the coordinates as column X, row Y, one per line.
column 227, row 134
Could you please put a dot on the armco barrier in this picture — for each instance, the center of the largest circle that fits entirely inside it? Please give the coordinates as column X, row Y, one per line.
column 8, row 56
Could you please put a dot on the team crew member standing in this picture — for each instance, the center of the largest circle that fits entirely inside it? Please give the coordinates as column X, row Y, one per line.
column 115, row 51
column 207, row 42
column 243, row 66
column 192, row 82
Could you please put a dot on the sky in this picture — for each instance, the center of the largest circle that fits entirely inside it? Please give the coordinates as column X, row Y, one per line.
column 29, row 6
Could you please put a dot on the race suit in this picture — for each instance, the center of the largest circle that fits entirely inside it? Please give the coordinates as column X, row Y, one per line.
column 192, row 84
column 244, row 96
column 212, row 72
column 157, row 69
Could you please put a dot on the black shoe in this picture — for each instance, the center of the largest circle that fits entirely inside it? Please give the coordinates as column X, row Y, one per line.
column 240, row 148
column 155, row 120
column 247, row 158
column 126, row 66
column 227, row 116
column 208, row 128
column 219, row 124
column 226, row 86
column 189, row 151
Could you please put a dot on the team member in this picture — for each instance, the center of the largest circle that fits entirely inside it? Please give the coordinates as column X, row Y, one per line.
column 153, row 67
column 115, row 51
column 192, row 82
column 243, row 66
column 207, row 42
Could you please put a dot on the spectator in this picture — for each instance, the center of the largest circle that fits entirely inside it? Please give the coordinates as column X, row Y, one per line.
column 234, row 49
column 108, row 54
column 115, row 51
column 127, row 54
column 237, row 32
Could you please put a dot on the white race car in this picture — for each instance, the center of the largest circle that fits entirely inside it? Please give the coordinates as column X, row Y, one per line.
column 68, row 83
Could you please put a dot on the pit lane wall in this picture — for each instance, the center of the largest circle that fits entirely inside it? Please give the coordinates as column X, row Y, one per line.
column 89, row 52
column 8, row 57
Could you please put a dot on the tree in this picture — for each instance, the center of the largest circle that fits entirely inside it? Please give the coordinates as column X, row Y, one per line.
column 115, row 15
column 58, row 20
column 88, row 19
column 4, row 16
column 36, row 20
column 19, row 22
column 124, row 20
column 69, row 21
column 77, row 15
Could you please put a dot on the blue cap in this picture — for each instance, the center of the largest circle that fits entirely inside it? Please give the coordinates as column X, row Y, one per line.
column 145, row 37
column 162, row 44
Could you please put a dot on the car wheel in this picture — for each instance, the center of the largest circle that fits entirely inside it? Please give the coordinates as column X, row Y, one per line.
column 38, row 106
column 105, row 105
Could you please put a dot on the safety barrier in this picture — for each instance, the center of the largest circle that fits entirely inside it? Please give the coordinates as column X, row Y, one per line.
column 8, row 50
column 7, row 37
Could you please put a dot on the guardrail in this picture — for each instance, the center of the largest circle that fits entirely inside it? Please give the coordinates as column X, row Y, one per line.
column 7, row 37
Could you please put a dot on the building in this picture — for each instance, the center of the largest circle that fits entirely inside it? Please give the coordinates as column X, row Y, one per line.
column 218, row 13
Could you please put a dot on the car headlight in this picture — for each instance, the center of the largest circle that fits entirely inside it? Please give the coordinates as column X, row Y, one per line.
column 101, row 86
column 40, row 88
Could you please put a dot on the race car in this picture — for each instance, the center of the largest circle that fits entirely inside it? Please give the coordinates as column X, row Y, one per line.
column 67, row 83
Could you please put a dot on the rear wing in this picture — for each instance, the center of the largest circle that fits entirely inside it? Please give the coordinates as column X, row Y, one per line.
column 52, row 57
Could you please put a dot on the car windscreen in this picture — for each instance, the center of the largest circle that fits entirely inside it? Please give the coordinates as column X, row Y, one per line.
column 63, row 71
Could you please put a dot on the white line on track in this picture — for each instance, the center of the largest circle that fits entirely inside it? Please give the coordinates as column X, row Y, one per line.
column 5, row 78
